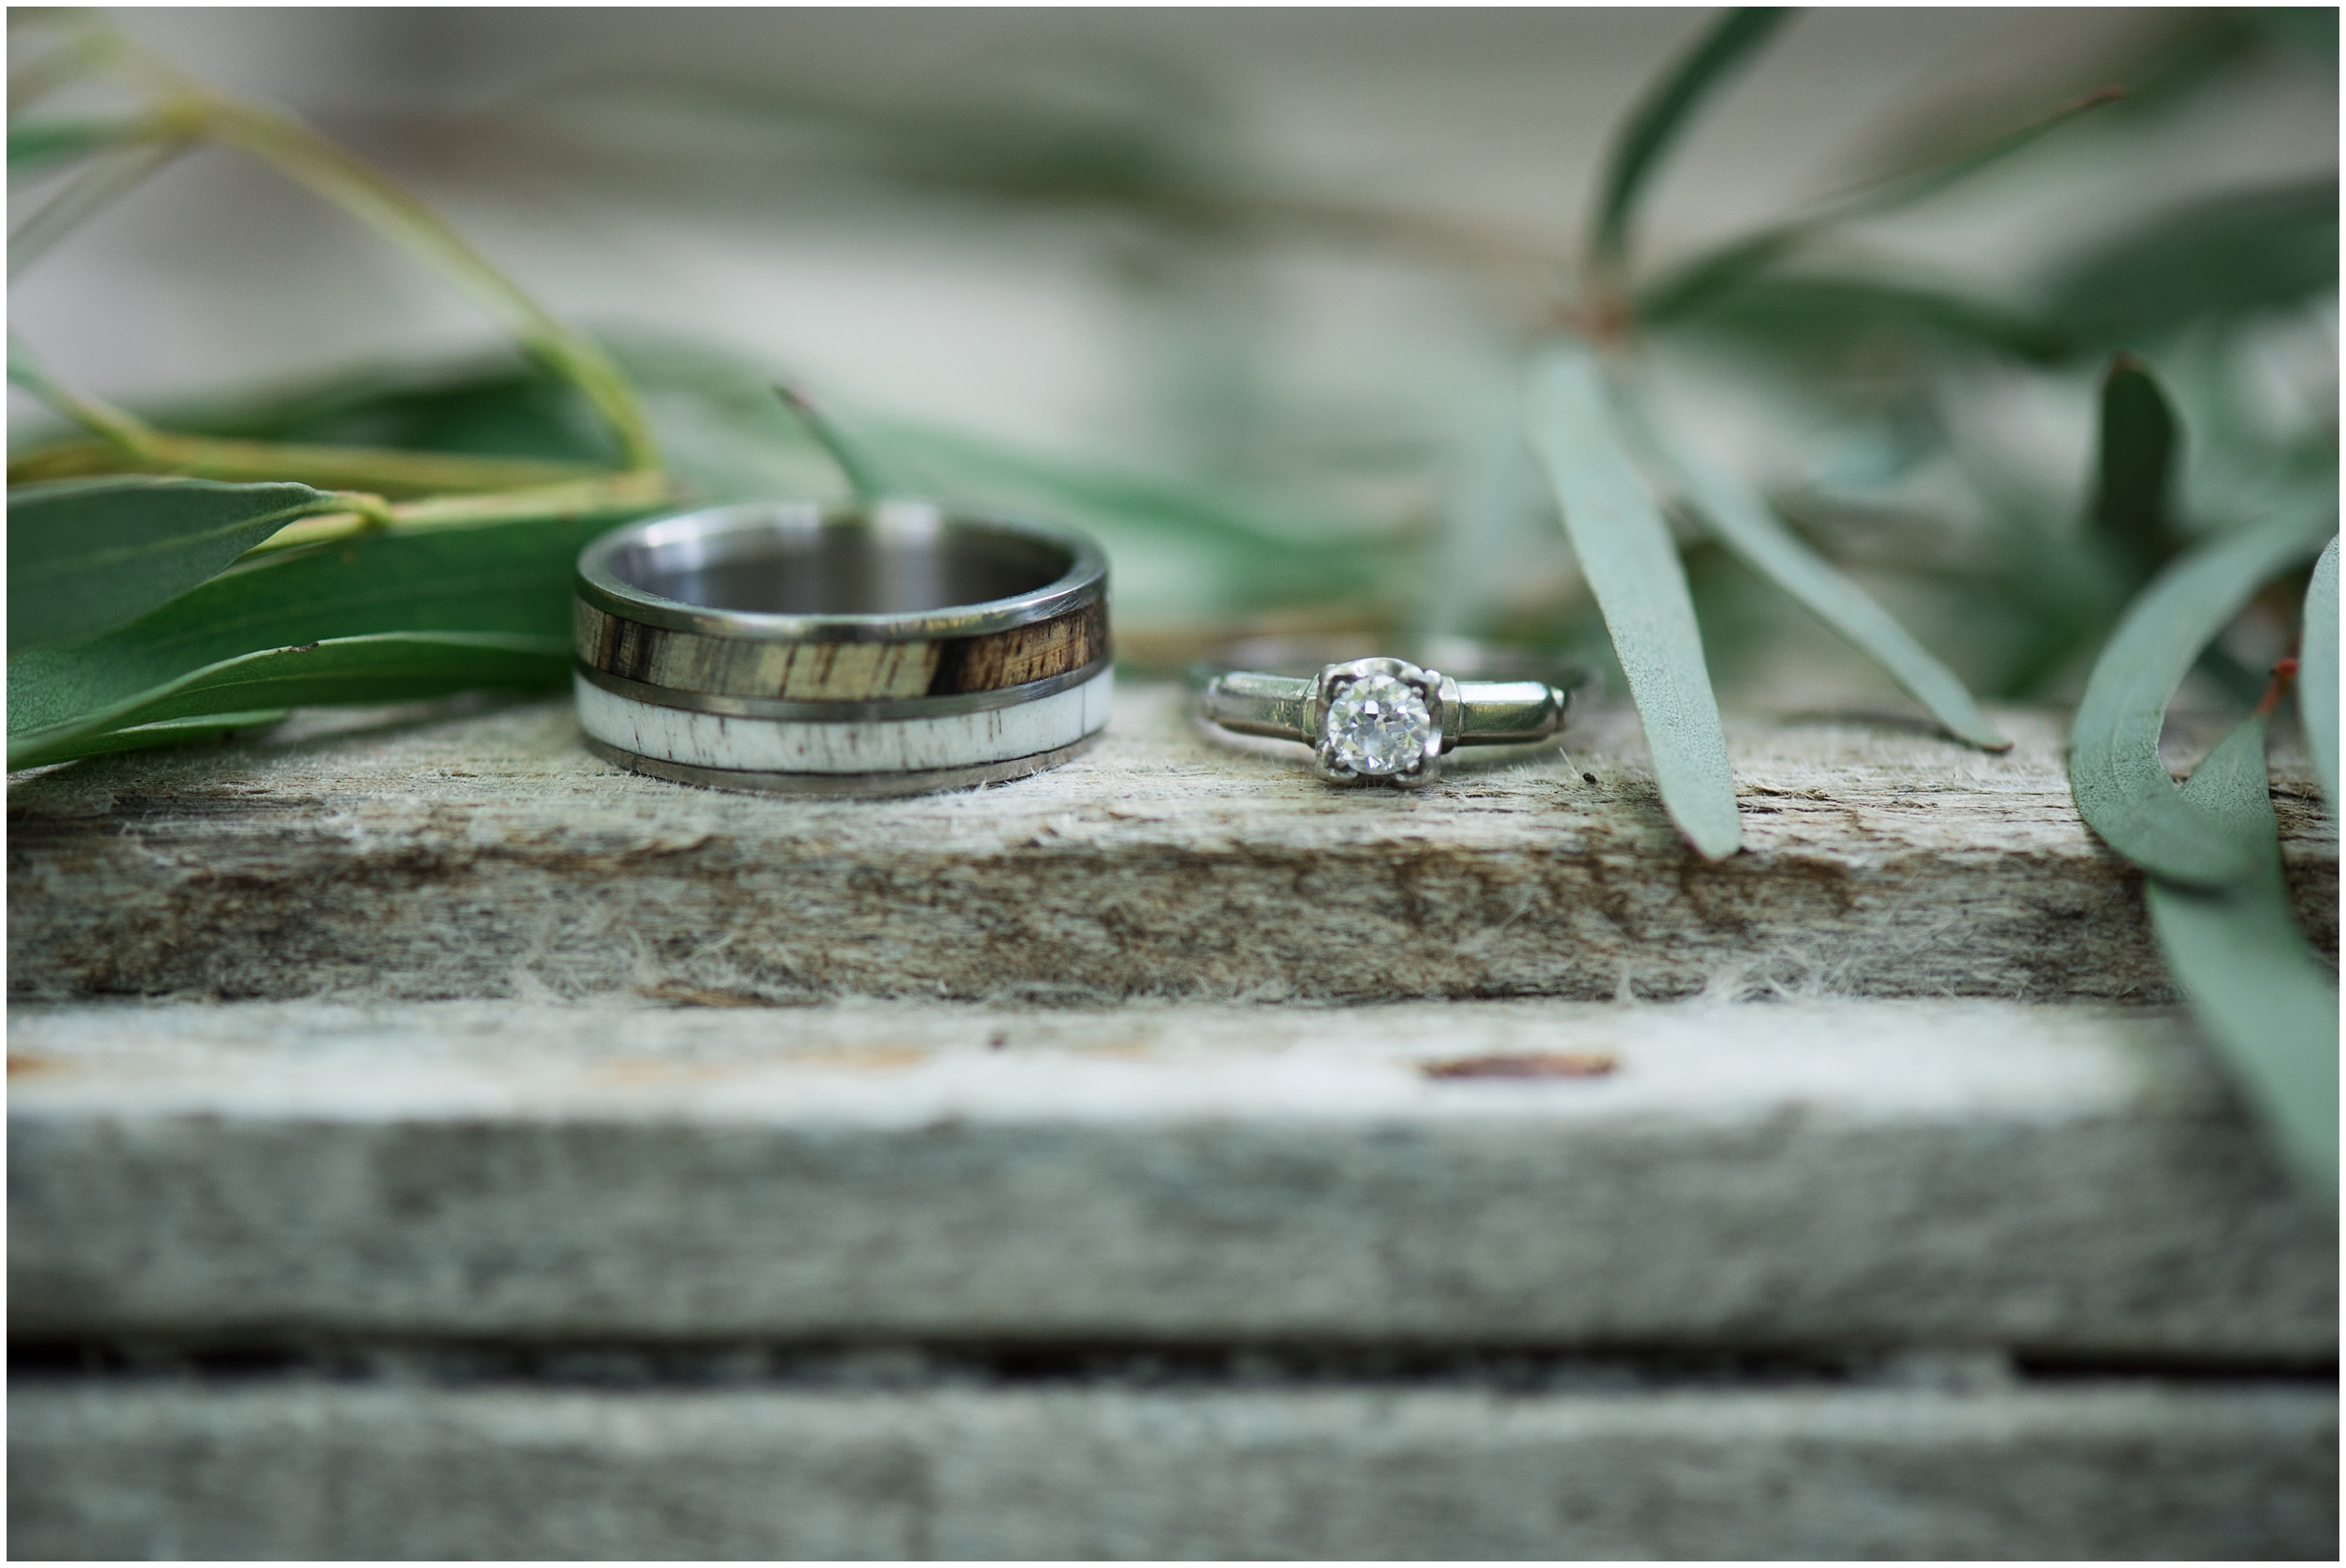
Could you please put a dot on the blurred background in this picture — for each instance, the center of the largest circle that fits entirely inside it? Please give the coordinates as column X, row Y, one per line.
column 1250, row 292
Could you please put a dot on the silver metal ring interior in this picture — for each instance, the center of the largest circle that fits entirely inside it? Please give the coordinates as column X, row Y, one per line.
column 1380, row 718
column 796, row 647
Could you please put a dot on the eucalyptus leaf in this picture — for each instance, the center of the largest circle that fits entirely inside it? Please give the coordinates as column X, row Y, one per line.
column 39, row 148
column 1633, row 568
column 1182, row 548
column 505, row 580
column 177, row 732
column 105, row 181
column 487, row 407
column 2120, row 785
column 84, row 555
column 1806, row 316
column 1178, row 546
column 382, row 668
column 2226, row 255
column 2136, row 466
column 871, row 476
column 1665, row 112
column 2317, row 671
column 2267, row 1001
column 1693, row 282
column 359, row 189
column 1744, row 523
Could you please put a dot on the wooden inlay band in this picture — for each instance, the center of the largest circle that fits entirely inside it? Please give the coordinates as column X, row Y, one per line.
column 839, row 671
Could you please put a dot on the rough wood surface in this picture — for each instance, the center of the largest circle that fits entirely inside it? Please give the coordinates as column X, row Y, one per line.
column 490, row 855
column 321, row 1470
column 2053, row 1179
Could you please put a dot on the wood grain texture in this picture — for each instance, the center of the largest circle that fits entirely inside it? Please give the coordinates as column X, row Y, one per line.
column 839, row 671
column 488, row 854
column 1024, row 653
column 2054, row 1180
column 304, row 1470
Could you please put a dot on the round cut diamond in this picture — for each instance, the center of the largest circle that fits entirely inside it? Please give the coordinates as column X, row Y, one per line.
column 1377, row 724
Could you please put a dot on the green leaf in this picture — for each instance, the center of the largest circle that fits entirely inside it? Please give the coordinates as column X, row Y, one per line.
column 2137, row 462
column 2267, row 1001
column 491, row 407
column 1745, row 524
column 1633, row 568
column 99, row 185
column 397, row 667
column 1665, row 110
column 39, row 148
column 84, row 555
column 1693, row 282
column 359, row 189
column 2225, row 256
column 870, row 476
column 1177, row 548
column 179, row 732
column 2317, row 671
column 2121, row 787
column 502, row 580
column 1802, row 316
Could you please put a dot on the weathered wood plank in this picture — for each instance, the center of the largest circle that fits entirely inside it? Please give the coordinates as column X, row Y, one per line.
column 490, row 855
column 324, row 1471
column 2056, row 1179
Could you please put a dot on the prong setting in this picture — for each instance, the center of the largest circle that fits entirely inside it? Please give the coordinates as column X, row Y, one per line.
column 1382, row 720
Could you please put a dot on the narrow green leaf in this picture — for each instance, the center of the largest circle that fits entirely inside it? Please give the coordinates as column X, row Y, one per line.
column 1745, row 524
column 43, row 146
column 2136, row 466
column 2269, row 1004
column 92, row 190
column 494, row 406
column 1806, row 316
column 1665, row 110
column 2121, row 787
column 302, row 155
column 384, row 668
column 110, row 424
column 1693, row 282
column 1184, row 547
column 2225, row 256
column 501, row 580
column 870, row 477
column 84, row 555
column 1633, row 568
column 177, row 732
column 2317, row 671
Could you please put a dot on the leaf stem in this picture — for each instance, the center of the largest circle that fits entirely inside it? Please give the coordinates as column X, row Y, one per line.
column 374, row 468
column 185, row 110
column 612, row 494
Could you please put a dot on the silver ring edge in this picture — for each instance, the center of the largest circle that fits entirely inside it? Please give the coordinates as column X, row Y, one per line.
column 1084, row 582
column 847, row 785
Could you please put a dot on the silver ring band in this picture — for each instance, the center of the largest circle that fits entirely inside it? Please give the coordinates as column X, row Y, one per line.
column 797, row 648
column 1380, row 718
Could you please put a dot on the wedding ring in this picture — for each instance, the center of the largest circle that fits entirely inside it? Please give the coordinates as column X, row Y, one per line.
column 1382, row 719
column 837, row 651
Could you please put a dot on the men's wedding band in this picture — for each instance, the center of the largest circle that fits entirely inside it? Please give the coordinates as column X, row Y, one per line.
column 1380, row 718
column 837, row 651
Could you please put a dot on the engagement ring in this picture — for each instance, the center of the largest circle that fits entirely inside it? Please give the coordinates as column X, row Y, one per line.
column 1383, row 719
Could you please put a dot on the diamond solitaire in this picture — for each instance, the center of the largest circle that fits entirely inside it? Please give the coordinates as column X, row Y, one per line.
column 1379, row 726
column 1378, row 719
